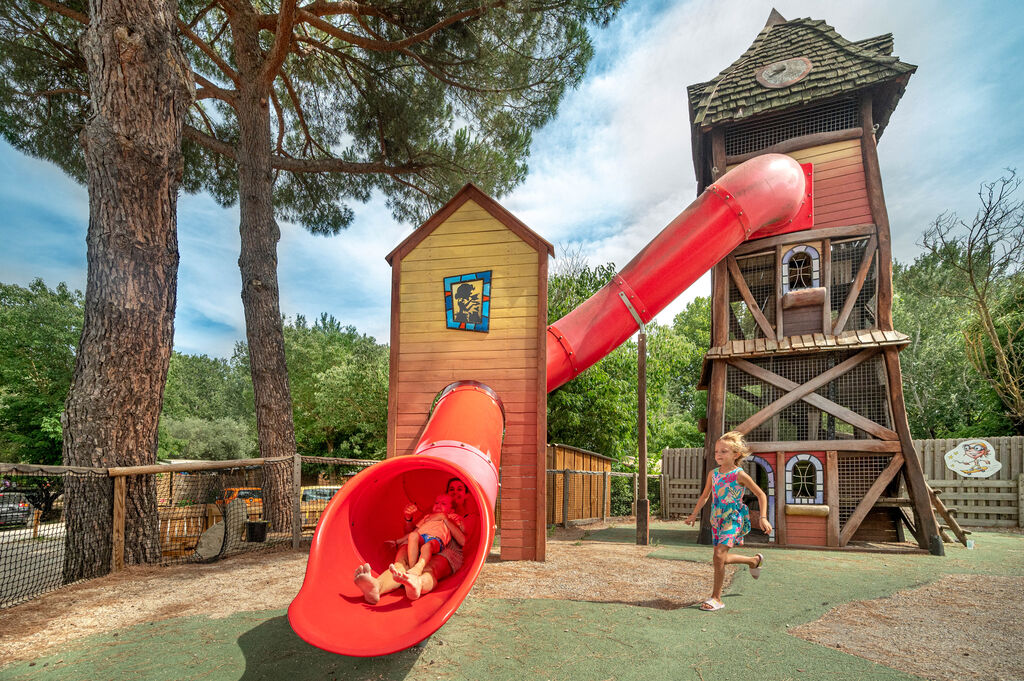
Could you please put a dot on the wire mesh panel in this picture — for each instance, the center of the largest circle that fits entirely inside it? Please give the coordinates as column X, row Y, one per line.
column 759, row 274
column 205, row 515
column 322, row 478
column 34, row 531
column 847, row 257
column 862, row 390
column 763, row 132
column 856, row 475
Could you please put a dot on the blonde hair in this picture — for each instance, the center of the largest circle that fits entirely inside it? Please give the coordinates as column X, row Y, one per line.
column 734, row 441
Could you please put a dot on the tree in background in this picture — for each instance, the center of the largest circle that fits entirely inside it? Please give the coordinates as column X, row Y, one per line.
column 313, row 104
column 981, row 267
column 339, row 384
column 945, row 396
column 208, row 411
column 597, row 409
column 39, row 332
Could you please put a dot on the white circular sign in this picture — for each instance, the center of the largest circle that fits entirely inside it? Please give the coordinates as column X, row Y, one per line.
column 973, row 459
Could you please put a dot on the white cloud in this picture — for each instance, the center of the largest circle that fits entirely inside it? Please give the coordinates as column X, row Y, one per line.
column 614, row 167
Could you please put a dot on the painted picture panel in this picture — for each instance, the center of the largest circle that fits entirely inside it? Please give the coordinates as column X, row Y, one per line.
column 973, row 459
column 467, row 301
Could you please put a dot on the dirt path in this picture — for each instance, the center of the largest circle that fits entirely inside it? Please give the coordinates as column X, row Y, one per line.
column 618, row 573
column 958, row 627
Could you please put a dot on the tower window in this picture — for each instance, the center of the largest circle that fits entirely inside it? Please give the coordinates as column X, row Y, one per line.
column 800, row 269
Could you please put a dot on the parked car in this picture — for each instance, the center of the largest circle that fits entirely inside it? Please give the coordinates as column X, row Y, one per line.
column 14, row 509
column 250, row 495
column 312, row 502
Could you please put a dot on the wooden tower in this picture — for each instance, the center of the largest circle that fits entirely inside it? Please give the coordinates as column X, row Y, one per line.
column 804, row 357
column 469, row 302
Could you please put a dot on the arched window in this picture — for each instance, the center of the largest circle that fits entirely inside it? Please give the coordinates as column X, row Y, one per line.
column 804, row 480
column 755, row 467
column 801, row 268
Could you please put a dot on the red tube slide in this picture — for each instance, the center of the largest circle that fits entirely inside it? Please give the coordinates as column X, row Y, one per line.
column 763, row 196
column 463, row 440
column 767, row 195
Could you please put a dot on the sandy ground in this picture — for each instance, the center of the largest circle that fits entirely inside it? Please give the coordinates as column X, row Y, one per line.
column 270, row 579
column 910, row 631
column 957, row 628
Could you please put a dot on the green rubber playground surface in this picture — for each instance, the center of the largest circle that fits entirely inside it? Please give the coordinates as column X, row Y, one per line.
column 545, row 639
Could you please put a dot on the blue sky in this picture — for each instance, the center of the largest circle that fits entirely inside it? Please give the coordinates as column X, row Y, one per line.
column 605, row 176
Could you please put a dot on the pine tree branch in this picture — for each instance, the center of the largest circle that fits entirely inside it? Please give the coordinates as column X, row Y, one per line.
column 202, row 13
column 315, row 165
column 280, row 121
column 300, row 114
column 211, row 91
column 376, row 45
column 64, row 11
column 207, row 50
column 282, row 43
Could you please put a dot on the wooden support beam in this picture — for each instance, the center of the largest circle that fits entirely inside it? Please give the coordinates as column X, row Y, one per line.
column 842, row 447
column 916, row 486
column 565, row 497
column 816, row 400
column 865, row 505
column 297, row 501
column 716, row 419
column 780, row 498
column 806, row 392
column 748, row 298
column 117, row 552
column 951, row 522
column 826, row 282
column 858, row 284
column 832, row 498
column 876, row 202
column 779, row 327
column 191, row 466
column 758, row 245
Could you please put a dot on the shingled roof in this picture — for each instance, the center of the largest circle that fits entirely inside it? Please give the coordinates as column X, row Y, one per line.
column 839, row 67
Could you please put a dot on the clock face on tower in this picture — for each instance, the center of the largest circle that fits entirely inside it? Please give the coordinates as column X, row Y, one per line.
column 783, row 73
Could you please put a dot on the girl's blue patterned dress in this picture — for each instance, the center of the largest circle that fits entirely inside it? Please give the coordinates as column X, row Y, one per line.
column 730, row 519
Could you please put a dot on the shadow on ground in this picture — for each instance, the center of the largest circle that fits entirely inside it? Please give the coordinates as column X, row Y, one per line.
column 272, row 651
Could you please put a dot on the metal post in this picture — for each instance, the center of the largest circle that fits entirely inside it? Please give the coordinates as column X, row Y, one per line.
column 643, row 504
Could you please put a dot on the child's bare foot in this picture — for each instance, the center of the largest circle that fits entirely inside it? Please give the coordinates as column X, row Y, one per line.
column 367, row 584
column 411, row 582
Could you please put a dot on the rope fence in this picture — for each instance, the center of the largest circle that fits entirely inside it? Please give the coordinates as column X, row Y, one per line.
column 63, row 524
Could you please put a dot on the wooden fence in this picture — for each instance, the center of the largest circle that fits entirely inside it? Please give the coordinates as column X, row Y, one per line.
column 680, row 480
column 989, row 502
column 577, row 484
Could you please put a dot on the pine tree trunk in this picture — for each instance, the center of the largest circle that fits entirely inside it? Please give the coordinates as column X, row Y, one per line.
column 140, row 90
column 258, row 264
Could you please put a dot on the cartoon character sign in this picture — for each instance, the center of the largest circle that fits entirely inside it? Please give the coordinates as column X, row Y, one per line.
column 467, row 301
column 973, row 459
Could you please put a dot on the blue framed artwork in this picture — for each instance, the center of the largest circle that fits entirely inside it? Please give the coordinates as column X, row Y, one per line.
column 467, row 301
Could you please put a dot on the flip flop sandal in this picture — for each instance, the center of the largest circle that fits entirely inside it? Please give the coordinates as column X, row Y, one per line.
column 711, row 606
column 755, row 571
